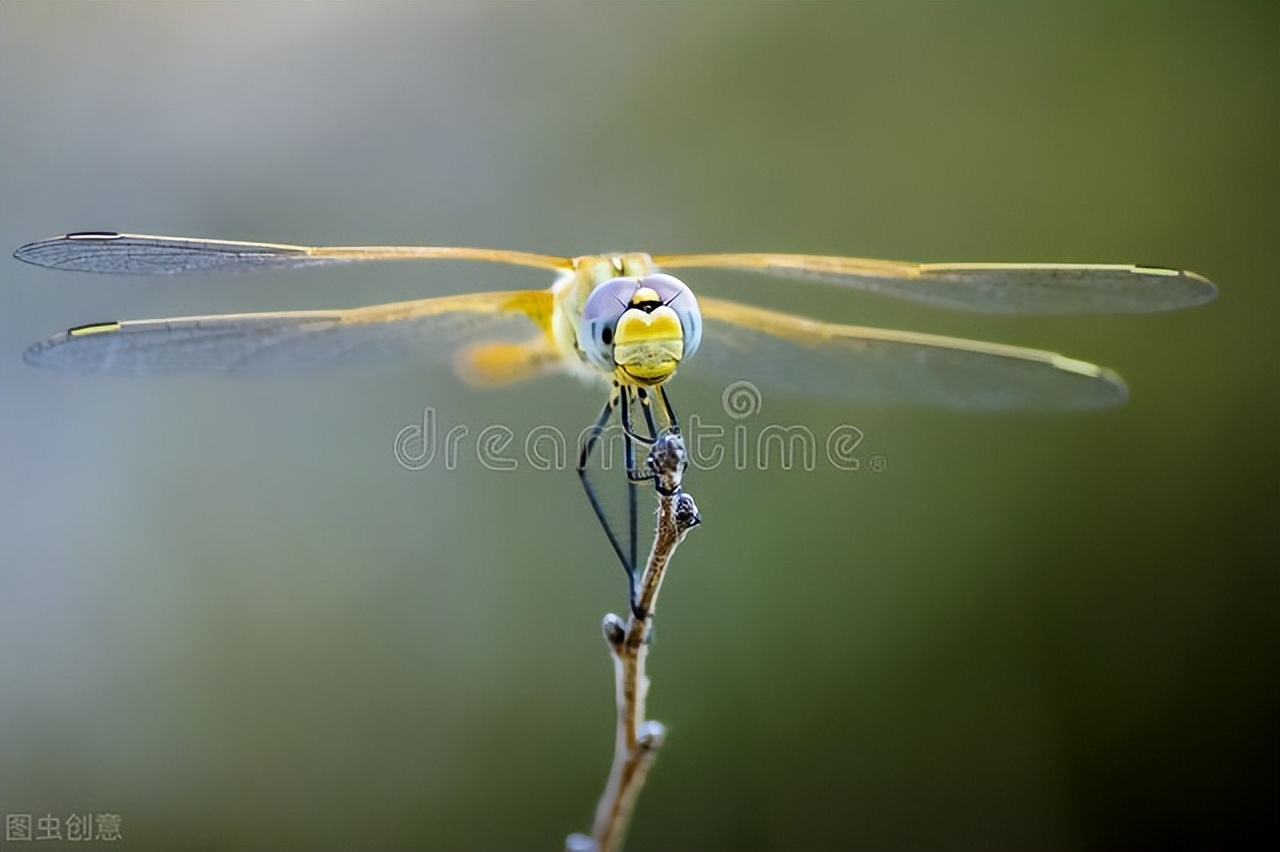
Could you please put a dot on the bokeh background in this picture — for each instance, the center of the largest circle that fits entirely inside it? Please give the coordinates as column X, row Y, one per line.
column 229, row 616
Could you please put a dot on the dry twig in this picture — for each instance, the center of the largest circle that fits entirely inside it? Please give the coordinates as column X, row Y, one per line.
column 638, row 740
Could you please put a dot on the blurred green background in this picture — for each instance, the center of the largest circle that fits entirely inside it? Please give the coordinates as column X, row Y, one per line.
column 228, row 615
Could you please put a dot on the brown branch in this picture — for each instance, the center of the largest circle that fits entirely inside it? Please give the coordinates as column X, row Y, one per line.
column 637, row 742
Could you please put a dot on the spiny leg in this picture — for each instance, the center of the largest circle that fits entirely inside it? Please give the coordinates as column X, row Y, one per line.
column 672, row 422
column 634, row 473
column 634, row 477
column 623, row 398
column 630, row 445
column 649, row 474
column 647, row 407
column 593, row 436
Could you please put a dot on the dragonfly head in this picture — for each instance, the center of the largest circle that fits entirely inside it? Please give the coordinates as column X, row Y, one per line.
column 640, row 329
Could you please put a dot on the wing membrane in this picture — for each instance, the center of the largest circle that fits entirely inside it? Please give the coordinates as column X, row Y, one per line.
column 999, row 288
column 140, row 254
column 296, row 340
column 792, row 355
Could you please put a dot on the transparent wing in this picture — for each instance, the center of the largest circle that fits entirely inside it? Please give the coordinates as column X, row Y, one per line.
column 998, row 288
column 298, row 340
column 791, row 355
column 139, row 254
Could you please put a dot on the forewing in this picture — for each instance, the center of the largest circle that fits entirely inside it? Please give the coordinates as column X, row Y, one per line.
column 140, row 254
column 298, row 340
column 794, row 356
column 998, row 288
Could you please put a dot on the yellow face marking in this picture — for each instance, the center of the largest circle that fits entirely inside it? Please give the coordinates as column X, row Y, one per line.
column 647, row 347
column 645, row 294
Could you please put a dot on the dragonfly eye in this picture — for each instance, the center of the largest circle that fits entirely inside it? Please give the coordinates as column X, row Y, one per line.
column 599, row 320
column 598, row 325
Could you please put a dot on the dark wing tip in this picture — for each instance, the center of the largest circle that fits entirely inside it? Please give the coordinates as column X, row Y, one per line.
column 33, row 252
column 53, row 251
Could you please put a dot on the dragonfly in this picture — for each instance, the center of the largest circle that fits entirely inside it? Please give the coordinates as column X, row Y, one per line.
column 621, row 319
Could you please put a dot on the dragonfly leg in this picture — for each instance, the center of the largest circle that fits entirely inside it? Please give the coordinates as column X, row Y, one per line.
column 635, row 473
column 673, row 422
column 637, row 395
column 647, row 407
column 626, row 557
column 629, row 449
column 623, row 400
